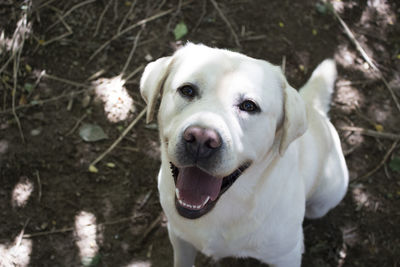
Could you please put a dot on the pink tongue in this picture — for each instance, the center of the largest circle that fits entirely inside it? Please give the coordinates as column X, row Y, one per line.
column 195, row 186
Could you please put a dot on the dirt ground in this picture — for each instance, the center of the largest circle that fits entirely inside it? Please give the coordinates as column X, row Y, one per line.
column 64, row 64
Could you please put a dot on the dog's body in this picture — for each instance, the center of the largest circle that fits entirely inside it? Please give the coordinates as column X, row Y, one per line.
column 224, row 115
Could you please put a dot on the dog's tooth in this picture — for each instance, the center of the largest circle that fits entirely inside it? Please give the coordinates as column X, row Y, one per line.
column 177, row 192
column 205, row 201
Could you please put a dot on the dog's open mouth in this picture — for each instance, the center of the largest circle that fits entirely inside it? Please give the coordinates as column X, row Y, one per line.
column 197, row 191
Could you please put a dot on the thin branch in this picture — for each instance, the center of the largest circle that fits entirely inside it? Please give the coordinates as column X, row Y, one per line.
column 116, row 142
column 126, row 16
column 101, row 18
column 226, row 22
column 52, row 77
column 7, row 62
column 367, row 58
column 150, row 229
column 57, row 231
column 45, row 101
column 16, row 61
column 136, row 41
column 62, row 36
column 142, row 22
column 70, row 11
column 385, row 158
column 44, row 4
column 39, row 186
column 372, row 133
column 41, row 102
column 133, row 73
column 203, row 13
column 76, row 125
column 21, row 234
column 70, row 229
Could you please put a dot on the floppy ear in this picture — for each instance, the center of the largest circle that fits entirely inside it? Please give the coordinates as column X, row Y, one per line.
column 151, row 83
column 295, row 118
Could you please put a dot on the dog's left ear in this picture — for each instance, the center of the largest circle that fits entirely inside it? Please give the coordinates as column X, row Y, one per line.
column 152, row 80
column 295, row 117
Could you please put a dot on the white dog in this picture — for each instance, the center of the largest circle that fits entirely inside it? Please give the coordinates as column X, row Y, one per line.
column 244, row 155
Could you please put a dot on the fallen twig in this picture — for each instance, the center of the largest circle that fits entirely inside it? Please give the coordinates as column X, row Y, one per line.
column 142, row 22
column 226, row 22
column 70, row 229
column 135, row 42
column 126, row 16
column 145, row 199
column 62, row 36
column 366, row 57
column 16, row 61
column 52, row 77
column 70, row 11
column 116, row 142
column 133, row 73
column 101, row 18
column 41, row 102
column 43, row 5
column 7, row 62
column 56, row 231
column 76, row 125
column 372, row 133
column 39, row 186
column 380, row 163
column 21, row 234
column 150, row 229
column 203, row 13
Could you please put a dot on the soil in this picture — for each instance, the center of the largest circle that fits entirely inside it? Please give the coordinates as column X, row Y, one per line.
column 118, row 207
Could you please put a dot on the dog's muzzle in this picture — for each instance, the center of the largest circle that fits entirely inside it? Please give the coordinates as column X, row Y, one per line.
column 200, row 153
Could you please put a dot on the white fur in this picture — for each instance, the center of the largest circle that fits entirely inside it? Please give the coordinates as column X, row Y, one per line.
column 297, row 170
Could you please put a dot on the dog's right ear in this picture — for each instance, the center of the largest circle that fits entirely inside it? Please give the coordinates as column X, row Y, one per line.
column 152, row 80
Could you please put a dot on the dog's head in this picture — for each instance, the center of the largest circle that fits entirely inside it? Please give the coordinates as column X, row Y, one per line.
column 220, row 112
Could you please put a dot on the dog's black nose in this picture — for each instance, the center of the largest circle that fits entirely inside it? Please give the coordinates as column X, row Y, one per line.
column 201, row 142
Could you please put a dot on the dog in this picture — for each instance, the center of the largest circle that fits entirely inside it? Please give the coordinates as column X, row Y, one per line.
column 244, row 156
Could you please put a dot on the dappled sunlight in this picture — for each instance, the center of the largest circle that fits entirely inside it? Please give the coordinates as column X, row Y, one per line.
column 16, row 254
column 350, row 238
column 345, row 57
column 118, row 104
column 339, row 5
column 86, row 236
column 379, row 112
column 139, row 264
column 22, row 31
column 363, row 199
column 21, row 192
column 378, row 12
column 347, row 96
column 350, row 59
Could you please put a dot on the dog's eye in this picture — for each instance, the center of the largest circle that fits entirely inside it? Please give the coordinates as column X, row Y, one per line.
column 187, row 91
column 249, row 106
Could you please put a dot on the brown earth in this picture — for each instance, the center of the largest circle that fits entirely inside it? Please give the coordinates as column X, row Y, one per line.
column 116, row 210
